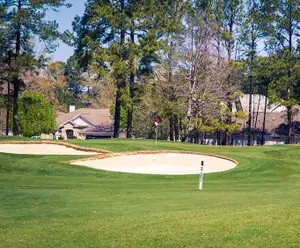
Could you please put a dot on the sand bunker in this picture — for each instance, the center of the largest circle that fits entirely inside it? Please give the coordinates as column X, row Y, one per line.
column 162, row 164
column 41, row 149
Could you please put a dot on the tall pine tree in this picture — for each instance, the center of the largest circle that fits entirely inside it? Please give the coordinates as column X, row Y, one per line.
column 282, row 26
column 251, row 35
column 121, row 37
column 26, row 21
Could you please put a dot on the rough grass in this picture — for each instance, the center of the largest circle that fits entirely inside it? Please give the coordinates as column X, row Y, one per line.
column 47, row 203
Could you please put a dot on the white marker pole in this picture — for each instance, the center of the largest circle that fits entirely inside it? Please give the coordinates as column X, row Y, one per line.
column 201, row 175
column 156, row 130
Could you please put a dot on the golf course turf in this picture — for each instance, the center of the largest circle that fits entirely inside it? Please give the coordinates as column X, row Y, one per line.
column 46, row 202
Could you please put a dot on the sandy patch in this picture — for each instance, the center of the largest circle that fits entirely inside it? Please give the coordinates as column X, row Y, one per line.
column 41, row 149
column 162, row 164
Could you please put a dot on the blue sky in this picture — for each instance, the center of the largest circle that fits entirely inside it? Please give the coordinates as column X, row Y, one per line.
column 65, row 17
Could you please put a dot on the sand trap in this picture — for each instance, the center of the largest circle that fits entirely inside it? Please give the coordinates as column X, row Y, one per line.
column 41, row 149
column 162, row 164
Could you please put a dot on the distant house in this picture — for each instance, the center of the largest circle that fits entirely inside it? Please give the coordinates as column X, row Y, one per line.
column 276, row 128
column 84, row 123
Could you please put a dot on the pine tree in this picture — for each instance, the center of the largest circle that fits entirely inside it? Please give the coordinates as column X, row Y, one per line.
column 101, row 38
column 25, row 20
column 231, row 13
column 231, row 18
column 121, row 37
column 282, row 26
column 250, row 36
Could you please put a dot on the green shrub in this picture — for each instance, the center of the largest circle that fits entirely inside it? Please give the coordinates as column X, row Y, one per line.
column 36, row 115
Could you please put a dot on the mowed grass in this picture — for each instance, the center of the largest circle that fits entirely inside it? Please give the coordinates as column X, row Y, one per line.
column 46, row 202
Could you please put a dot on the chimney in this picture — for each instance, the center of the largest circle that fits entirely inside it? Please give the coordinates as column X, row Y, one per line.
column 71, row 108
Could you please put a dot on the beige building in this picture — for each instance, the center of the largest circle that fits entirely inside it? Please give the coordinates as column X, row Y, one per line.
column 84, row 123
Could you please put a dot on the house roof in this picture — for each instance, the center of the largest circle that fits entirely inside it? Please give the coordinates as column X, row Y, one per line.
column 96, row 116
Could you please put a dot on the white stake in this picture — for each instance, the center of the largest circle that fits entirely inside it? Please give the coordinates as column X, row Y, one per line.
column 156, row 130
column 201, row 175
column 156, row 135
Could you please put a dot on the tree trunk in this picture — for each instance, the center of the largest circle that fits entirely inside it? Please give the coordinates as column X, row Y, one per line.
column 250, row 111
column 254, row 123
column 264, row 119
column 229, row 121
column 180, row 129
column 120, row 81
column 290, row 123
column 257, row 111
column 129, row 123
column 231, row 24
column 16, row 80
column 289, row 108
column 117, row 114
column 218, row 138
column 7, row 109
column 176, row 128
column 7, row 120
column 131, row 88
column 16, row 108
column 171, row 127
column 228, row 138
column 171, row 93
column 191, row 83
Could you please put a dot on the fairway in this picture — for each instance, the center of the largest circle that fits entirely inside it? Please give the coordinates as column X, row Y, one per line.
column 46, row 202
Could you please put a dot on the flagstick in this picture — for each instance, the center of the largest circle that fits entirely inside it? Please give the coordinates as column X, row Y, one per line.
column 156, row 130
column 156, row 134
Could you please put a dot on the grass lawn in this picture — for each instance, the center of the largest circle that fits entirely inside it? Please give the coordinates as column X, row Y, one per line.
column 48, row 203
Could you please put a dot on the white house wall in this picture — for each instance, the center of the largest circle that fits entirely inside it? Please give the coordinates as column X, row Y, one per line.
column 258, row 104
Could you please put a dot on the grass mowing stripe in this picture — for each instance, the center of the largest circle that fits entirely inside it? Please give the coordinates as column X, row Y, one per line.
column 47, row 203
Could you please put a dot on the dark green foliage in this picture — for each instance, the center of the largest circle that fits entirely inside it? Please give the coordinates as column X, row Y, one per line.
column 65, row 97
column 74, row 76
column 23, row 21
column 282, row 28
column 36, row 115
column 230, row 15
column 123, row 37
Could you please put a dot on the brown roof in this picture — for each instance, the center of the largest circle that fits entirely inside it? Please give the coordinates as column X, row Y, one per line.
column 96, row 116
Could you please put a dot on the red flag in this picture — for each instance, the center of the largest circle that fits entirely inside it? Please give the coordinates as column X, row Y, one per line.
column 156, row 123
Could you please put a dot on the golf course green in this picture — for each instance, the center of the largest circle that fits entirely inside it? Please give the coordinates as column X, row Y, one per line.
column 46, row 202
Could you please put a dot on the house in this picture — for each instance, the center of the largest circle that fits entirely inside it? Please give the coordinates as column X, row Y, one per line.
column 276, row 128
column 84, row 123
column 258, row 104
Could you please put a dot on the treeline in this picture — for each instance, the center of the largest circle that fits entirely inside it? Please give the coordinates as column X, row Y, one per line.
column 23, row 68
column 186, row 62
column 183, row 62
